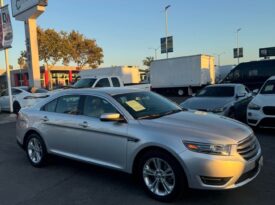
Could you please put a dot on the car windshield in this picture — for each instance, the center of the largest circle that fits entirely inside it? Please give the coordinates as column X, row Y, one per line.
column 84, row 83
column 269, row 87
column 221, row 91
column 147, row 105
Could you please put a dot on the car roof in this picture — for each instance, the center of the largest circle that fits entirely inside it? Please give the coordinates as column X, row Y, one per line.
column 109, row 91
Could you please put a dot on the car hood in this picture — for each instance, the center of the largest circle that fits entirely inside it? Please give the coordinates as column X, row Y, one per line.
column 201, row 127
column 264, row 100
column 206, row 103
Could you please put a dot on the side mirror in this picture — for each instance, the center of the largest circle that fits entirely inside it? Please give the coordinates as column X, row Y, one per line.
column 255, row 92
column 112, row 117
column 240, row 95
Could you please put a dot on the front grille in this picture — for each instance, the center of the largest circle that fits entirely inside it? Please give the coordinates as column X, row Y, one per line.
column 248, row 148
column 268, row 110
column 267, row 122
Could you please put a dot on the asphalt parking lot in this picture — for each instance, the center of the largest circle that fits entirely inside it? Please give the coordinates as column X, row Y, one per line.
column 67, row 182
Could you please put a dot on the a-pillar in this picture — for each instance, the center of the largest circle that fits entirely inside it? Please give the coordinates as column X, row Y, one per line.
column 32, row 51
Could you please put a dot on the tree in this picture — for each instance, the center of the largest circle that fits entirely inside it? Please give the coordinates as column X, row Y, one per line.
column 148, row 60
column 22, row 60
column 50, row 46
column 84, row 51
column 66, row 47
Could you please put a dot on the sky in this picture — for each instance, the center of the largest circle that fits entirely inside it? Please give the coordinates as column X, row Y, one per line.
column 126, row 29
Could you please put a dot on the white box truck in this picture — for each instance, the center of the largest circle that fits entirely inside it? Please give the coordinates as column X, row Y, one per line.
column 182, row 75
column 128, row 74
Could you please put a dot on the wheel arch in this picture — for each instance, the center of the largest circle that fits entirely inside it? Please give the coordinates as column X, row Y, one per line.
column 155, row 148
column 28, row 133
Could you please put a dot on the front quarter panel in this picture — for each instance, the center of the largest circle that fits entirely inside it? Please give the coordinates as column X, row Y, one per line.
column 150, row 137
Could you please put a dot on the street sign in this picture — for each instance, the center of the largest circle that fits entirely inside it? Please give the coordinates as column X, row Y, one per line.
column 238, row 52
column 20, row 6
column 266, row 52
column 6, row 34
column 169, row 44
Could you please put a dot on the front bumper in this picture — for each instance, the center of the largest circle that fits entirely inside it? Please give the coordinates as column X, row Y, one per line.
column 257, row 118
column 219, row 172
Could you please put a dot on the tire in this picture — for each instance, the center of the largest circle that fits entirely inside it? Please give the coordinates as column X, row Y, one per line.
column 151, row 172
column 16, row 107
column 36, row 150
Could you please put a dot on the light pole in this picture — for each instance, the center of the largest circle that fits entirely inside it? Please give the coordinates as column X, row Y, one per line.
column 155, row 49
column 238, row 53
column 8, row 70
column 166, row 28
column 219, row 58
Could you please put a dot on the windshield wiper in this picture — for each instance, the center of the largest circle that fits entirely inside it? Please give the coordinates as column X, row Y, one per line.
column 154, row 116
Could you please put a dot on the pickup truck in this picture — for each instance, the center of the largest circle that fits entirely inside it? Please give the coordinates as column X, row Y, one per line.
column 108, row 81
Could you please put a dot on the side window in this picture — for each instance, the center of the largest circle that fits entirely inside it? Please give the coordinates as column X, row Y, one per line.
column 252, row 73
column 95, row 107
column 16, row 92
column 104, row 82
column 115, row 82
column 68, row 105
column 50, row 107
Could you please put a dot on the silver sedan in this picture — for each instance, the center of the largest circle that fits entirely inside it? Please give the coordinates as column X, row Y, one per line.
column 140, row 132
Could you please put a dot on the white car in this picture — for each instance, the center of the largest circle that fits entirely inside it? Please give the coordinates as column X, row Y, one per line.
column 21, row 97
column 261, row 110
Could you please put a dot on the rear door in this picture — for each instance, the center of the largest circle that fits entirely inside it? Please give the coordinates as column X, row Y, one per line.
column 60, row 125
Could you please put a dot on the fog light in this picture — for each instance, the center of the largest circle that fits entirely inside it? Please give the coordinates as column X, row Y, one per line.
column 215, row 181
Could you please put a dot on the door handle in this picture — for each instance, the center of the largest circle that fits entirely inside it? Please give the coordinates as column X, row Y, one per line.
column 45, row 119
column 84, row 124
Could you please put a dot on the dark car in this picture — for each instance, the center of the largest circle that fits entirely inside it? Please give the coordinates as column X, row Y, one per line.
column 251, row 74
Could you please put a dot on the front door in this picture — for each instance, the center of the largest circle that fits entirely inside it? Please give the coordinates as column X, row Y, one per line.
column 101, row 142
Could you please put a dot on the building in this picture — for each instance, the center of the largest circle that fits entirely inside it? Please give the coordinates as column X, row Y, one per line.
column 52, row 77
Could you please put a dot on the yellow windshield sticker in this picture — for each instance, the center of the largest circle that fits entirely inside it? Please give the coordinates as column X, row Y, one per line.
column 136, row 106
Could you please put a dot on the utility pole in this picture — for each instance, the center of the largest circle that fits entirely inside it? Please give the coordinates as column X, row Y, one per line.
column 8, row 70
column 166, row 28
column 238, row 53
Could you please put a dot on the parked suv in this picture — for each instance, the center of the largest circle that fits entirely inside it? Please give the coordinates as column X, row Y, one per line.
column 261, row 110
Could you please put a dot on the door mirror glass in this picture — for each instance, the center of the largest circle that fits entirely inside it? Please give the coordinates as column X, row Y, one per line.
column 240, row 95
column 255, row 92
column 111, row 117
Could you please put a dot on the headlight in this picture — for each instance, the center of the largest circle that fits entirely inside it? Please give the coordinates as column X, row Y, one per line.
column 214, row 149
column 218, row 110
column 253, row 106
